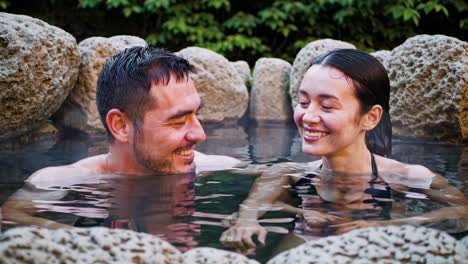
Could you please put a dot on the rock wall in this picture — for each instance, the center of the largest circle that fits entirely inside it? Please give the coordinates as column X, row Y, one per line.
column 39, row 66
column 429, row 88
column 269, row 100
column 220, row 86
column 79, row 110
column 304, row 59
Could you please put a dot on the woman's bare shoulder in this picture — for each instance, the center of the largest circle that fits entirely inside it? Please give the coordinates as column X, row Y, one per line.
column 412, row 175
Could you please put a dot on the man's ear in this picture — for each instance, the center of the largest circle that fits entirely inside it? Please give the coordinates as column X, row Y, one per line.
column 118, row 124
column 372, row 117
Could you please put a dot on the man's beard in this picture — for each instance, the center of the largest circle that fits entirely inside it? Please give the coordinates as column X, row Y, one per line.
column 144, row 158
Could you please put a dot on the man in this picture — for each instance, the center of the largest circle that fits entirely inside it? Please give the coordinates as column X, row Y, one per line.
column 148, row 105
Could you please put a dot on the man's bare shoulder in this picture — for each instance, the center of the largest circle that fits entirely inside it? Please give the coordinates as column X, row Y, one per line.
column 66, row 173
column 206, row 162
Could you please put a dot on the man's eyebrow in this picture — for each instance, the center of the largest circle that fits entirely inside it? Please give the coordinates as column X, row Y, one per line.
column 182, row 113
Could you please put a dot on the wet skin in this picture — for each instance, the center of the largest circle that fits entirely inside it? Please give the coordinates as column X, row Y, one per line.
column 166, row 140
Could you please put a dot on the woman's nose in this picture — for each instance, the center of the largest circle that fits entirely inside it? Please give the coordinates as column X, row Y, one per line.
column 311, row 115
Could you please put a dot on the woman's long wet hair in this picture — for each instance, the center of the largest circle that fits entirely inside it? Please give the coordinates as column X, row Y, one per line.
column 372, row 87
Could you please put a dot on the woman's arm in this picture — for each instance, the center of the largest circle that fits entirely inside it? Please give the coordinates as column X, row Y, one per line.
column 450, row 219
column 268, row 192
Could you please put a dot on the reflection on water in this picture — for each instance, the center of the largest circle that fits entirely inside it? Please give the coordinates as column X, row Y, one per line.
column 162, row 205
column 190, row 211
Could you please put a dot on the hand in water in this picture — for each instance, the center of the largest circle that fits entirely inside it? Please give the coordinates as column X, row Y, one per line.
column 313, row 217
column 240, row 236
column 346, row 227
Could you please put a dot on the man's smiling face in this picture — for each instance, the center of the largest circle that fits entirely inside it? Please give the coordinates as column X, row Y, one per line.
column 165, row 141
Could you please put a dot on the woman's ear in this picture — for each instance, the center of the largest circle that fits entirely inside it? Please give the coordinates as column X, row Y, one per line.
column 118, row 124
column 372, row 117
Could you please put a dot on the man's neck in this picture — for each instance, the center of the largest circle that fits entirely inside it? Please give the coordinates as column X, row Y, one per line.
column 121, row 160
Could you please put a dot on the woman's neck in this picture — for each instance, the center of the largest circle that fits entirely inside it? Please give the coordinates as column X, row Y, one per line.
column 355, row 159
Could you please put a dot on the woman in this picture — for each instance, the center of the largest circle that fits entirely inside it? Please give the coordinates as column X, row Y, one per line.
column 343, row 117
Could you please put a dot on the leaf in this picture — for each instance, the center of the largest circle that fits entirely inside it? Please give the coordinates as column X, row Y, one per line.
column 4, row 4
column 87, row 3
column 154, row 5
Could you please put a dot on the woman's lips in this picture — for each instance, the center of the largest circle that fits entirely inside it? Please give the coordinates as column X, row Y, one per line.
column 312, row 136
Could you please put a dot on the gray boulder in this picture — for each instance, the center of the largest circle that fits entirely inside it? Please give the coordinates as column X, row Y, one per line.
column 38, row 68
column 79, row 245
column 243, row 69
column 429, row 88
column 306, row 56
column 101, row 245
column 269, row 100
column 79, row 110
column 208, row 255
column 220, row 86
column 382, row 56
column 389, row 244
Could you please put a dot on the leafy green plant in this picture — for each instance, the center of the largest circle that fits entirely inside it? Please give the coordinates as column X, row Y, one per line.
column 249, row 30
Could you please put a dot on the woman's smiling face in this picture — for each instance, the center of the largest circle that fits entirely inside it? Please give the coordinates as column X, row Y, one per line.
column 328, row 113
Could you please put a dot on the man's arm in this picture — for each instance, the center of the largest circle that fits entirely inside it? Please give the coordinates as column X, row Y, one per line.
column 20, row 208
column 208, row 164
column 23, row 205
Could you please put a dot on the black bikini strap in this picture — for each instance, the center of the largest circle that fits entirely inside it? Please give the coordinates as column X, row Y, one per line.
column 375, row 171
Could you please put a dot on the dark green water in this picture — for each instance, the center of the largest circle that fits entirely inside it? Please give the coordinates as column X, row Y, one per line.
column 194, row 218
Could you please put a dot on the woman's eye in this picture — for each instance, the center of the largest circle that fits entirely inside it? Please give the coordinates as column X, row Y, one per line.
column 304, row 104
column 327, row 107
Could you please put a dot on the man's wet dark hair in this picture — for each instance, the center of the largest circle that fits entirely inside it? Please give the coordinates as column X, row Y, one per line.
column 372, row 87
column 126, row 79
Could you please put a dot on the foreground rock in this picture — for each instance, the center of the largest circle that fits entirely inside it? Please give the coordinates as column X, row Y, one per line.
column 79, row 110
column 38, row 68
column 101, row 245
column 306, row 56
column 220, row 86
column 390, row 244
column 269, row 99
column 429, row 88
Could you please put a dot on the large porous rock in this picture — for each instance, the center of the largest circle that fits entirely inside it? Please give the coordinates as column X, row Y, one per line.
column 220, row 86
column 38, row 68
column 269, row 99
column 390, row 244
column 214, row 256
column 79, row 245
column 79, row 110
column 243, row 69
column 464, row 241
column 306, row 56
column 382, row 56
column 101, row 245
column 429, row 88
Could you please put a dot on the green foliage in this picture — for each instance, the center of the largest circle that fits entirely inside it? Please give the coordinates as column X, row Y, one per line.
column 4, row 4
column 279, row 28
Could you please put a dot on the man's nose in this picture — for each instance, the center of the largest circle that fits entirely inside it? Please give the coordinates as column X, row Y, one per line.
column 196, row 133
